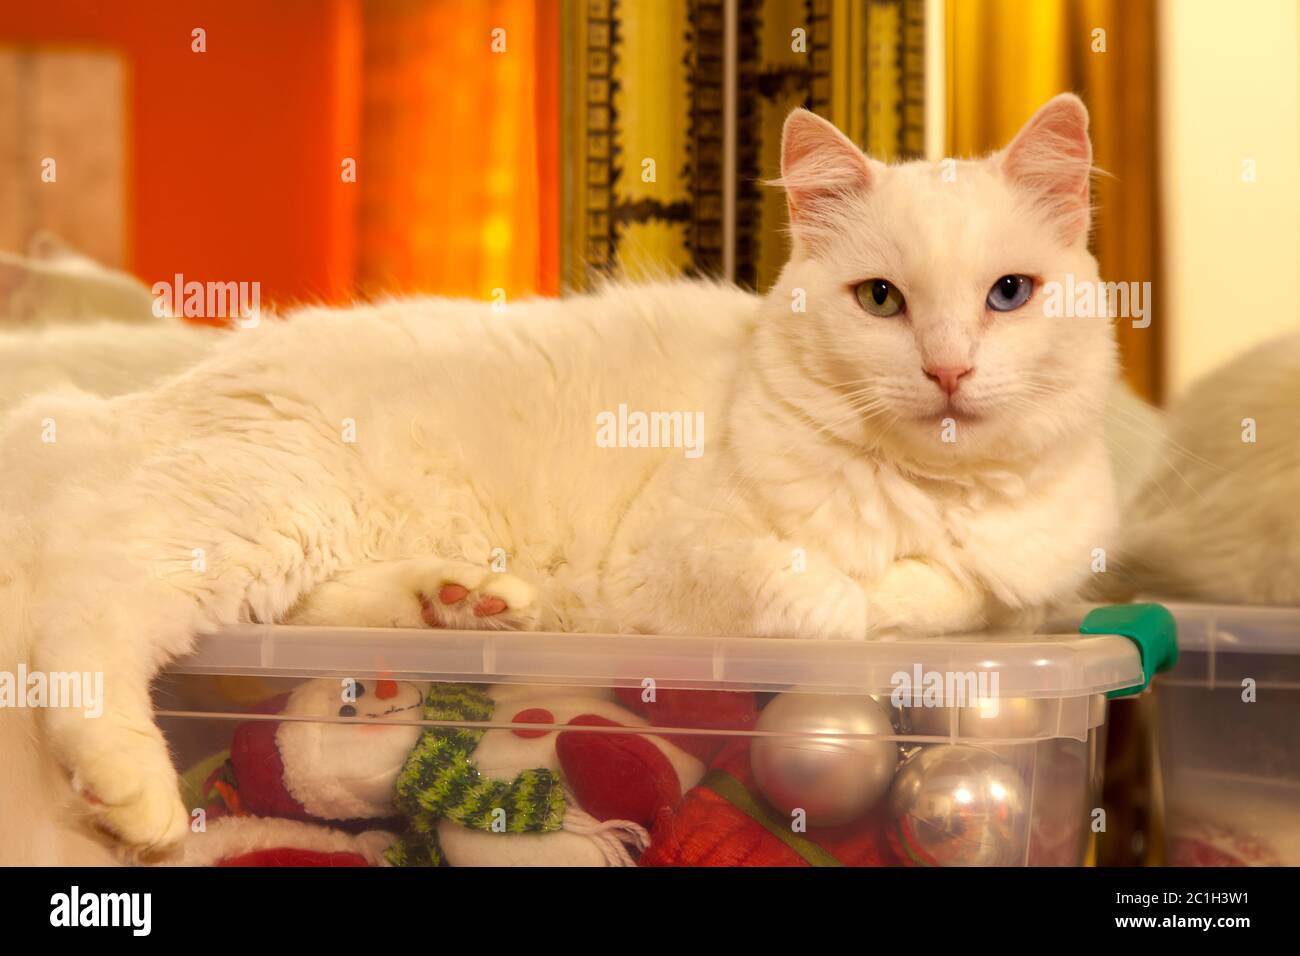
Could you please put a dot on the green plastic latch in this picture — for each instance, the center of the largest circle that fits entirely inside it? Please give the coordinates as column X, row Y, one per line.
column 1150, row 626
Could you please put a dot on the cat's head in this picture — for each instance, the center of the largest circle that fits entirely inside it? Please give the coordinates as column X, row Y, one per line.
column 923, row 287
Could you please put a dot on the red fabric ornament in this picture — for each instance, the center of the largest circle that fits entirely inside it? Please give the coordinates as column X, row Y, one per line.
column 291, row 856
column 617, row 776
column 533, row 715
column 259, row 772
column 694, row 710
column 724, row 822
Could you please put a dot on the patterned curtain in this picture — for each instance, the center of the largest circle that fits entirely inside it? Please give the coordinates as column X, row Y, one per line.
column 672, row 113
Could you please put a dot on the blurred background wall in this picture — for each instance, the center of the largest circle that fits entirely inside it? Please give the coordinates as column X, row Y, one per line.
column 226, row 163
column 230, row 157
column 1229, row 96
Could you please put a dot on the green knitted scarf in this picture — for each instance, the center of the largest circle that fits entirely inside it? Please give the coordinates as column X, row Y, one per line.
column 439, row 781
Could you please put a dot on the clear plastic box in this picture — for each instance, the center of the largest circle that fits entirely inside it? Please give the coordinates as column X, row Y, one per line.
column 1228, row 737
column 338, row 746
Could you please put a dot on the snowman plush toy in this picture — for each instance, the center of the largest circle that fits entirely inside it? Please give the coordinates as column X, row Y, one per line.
column 384, row 772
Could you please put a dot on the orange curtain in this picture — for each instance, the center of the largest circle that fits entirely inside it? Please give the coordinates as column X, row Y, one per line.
column 457, row 164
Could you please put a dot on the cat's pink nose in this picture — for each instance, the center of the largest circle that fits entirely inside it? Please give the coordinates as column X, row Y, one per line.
column 947, row 377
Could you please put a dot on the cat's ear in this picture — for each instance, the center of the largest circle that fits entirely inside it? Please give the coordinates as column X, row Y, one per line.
column 1051, row 158
column 47, row 245
column 820, row 168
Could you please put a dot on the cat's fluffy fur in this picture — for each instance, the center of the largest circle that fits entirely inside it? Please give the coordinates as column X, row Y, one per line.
column 104, row 358
column 1219, row 519
column 827, row 503
column 67, row 321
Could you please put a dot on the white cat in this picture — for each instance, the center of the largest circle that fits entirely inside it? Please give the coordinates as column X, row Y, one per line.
column 102, row 358
column 1219, row 519
column 55, row 282
column 894, row 437
column 66, row 320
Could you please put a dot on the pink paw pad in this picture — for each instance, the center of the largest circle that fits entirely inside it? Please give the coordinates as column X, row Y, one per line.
column 430, row 613
column 485, row 606
column 451, row 593
column 489, row 606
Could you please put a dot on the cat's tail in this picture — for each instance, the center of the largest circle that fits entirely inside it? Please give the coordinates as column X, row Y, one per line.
column 39, row 822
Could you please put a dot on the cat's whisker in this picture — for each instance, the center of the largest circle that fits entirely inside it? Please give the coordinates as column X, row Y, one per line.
column 1138, row 426
column 1167, row 451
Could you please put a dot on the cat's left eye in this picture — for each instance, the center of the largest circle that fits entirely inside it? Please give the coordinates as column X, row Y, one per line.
column 1010, row 293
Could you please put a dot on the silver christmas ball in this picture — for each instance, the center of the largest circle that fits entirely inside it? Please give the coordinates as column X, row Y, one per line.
column 954, row 805
column 833, row 779
column 1016, row 717
column 886, row 703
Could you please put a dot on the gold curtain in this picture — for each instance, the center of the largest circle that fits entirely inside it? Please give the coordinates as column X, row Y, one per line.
column 1006, row 57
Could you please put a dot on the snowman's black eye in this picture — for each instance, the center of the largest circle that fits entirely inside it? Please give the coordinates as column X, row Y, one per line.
column 347, row 710
column 359, row 689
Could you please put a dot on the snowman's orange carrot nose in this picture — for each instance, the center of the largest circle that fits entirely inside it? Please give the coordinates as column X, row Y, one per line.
column 386, row 689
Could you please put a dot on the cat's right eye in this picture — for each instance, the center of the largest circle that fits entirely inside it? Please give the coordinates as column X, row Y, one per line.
column 880, row 297
column 1010, row 293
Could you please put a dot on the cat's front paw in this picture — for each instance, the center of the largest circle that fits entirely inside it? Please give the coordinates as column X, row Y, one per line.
column 805, row 605
column 429, row 591
column 471, row 597
column 131, row 791
column 919, row 598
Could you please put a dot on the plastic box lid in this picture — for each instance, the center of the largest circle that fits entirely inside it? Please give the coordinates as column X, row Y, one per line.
column 1059, row 665
column 1237, row 629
